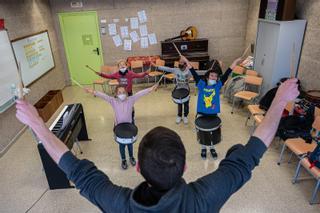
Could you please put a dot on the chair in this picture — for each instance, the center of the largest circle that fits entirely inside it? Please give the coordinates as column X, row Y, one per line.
column 254, row 109
column 102, row 81
column 252, row 72
column 314, row 171
column 171, row 76
column 137, row 66
column 239, row 70
column 112, row 83
column 246, row 94
column 156, row 73
column 298, row 146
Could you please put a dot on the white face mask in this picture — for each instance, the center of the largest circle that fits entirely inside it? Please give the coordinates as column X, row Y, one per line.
column 123, row 69
column 212, row 82
column 122, row 97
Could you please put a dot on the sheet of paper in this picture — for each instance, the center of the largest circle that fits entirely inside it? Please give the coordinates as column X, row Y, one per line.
column 144, row 43
column 134, row 23
column 126, row 19
column 103, row 30
column 143, row 30
column 124, row 32
column 142, row 16
column 127, row 45
column 112, row 29
column 117, row 40
column 103, row 21
column 152, row 38
column 116, row 20
column 134, row 36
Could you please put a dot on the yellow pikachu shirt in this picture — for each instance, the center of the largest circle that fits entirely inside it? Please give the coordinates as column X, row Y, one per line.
column 208, row 98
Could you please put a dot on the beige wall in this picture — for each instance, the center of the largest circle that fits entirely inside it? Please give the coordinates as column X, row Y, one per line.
column 24, row 17
column 222, row 22
column 309, row 73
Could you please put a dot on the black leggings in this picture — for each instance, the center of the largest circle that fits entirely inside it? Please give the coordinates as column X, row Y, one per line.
column 186, row 109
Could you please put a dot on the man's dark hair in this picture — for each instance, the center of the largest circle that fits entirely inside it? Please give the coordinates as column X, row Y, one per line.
column 162, row 158
column 213, row 67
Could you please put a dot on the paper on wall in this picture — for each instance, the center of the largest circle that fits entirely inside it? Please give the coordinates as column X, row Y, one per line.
column 144, row 42
column 134, row 23
column 126, row 19
column 124, row 32
column 103, row 21
column 112, row 29
column 143, row 30
column 116, row 20
column 134, row 36
column 117, row 40
column 127, row 45
column 152, row 38
column 142, row 16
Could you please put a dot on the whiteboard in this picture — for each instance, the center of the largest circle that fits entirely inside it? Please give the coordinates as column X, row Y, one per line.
column 8, row 72
column 34, row 55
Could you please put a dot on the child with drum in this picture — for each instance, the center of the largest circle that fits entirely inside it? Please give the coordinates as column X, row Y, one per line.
column 208, row 104
column 124, row 77
column 181, row 92
column 125, row 130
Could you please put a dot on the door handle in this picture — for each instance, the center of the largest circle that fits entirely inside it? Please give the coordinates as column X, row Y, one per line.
column 97, row 51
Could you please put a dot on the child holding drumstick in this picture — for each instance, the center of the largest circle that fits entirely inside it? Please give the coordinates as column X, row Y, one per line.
column 123, row 107
column 208, row 103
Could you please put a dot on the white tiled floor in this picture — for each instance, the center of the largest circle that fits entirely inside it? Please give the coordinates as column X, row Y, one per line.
column 22, row 181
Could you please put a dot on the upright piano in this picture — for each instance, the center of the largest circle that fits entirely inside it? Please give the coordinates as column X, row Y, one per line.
column 69, row 127
column 193, row 50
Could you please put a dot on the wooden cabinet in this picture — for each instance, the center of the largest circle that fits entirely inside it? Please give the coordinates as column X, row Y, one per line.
column 49, row 103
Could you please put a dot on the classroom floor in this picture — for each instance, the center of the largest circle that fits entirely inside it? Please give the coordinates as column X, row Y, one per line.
column 23, row 184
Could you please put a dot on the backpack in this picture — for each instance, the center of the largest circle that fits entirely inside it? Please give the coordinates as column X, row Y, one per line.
column 234, row 85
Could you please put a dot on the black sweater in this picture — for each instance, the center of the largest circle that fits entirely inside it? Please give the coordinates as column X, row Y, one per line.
column 207, row 194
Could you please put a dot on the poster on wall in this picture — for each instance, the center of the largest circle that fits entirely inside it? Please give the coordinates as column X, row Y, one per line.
column 34, row 55
column 132, row 30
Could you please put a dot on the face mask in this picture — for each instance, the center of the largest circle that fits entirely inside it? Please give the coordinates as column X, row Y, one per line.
column 122, row 97
column 123, row 70
column 212, row 82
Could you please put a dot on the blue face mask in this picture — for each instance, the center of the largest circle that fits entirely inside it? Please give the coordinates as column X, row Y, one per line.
column 211, row 82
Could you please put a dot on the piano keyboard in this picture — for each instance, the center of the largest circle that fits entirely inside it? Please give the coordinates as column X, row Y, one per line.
column 57, row 124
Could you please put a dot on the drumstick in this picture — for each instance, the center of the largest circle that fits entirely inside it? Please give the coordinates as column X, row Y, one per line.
column 90, row 68
column 177, row 49
column 214, row 62
column 77, row 83
column 292, row 73
column 246, row 50
column 20, row 84
column 160, row 78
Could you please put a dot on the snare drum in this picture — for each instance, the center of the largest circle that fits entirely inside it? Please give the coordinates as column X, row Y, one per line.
column 125, row 133
column 181, row 95
column 208, row 130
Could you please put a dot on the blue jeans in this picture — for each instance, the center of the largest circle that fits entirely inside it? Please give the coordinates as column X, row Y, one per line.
column 123, row 151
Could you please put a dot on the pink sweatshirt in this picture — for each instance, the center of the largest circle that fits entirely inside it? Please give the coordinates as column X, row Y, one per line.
column 123, row 109
column 125, row 80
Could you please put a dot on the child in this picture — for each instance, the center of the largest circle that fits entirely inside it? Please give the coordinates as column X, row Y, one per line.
column 123, row 106
column 182, row 75
column 124, row 76
column 210, row 87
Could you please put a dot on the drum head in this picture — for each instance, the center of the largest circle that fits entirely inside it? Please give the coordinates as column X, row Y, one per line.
column 208, row 122
column 125, row 130
column 180, row 93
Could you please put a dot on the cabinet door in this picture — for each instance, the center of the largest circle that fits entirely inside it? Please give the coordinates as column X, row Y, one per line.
column 265, row 53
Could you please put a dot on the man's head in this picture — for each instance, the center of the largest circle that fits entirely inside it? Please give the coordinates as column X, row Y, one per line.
column 121, row 92
column 214, row 71
column 162, row 158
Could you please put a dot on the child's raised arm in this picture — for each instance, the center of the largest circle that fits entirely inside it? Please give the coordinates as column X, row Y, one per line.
column 99, row 94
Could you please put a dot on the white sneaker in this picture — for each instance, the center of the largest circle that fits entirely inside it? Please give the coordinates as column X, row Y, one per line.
column 185, row 120
column 178, row 120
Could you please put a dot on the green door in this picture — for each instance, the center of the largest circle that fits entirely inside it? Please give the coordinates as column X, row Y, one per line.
column 82, row 44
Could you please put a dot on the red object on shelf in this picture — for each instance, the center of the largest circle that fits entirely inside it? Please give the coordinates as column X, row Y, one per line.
column 1, row 24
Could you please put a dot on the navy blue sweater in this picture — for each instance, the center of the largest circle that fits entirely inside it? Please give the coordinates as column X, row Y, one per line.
column 207, row 194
